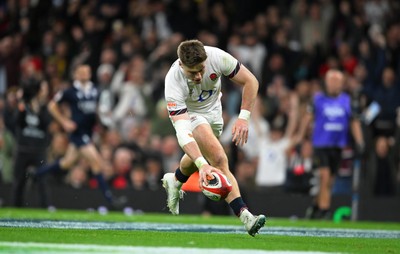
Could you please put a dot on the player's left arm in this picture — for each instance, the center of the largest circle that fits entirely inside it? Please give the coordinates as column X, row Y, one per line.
column 245, row 78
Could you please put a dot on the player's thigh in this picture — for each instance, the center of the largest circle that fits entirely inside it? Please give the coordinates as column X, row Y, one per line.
column 209, row 145
column 70, row 157
column 93, row 156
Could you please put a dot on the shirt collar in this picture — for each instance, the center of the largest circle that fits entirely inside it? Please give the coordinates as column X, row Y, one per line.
column 85, row 89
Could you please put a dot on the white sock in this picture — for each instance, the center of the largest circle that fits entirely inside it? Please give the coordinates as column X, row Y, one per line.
column 245, row 214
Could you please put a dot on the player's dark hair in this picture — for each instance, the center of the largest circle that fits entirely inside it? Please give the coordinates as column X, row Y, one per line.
column 30, row 89
column 192, row 53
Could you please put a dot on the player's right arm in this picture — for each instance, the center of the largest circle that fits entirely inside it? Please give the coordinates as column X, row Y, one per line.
column 189, row 145
column 55, row 111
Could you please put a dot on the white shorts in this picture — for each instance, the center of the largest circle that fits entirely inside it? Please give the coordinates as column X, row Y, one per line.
column 214, row 119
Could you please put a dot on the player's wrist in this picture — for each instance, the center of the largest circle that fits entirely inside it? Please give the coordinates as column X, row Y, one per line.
column 244, row 114
column 200, row 162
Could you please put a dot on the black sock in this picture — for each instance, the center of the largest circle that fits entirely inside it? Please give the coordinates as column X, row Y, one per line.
column 238, row 205
column 104, row 187
column 180, row 176
column 43, row 170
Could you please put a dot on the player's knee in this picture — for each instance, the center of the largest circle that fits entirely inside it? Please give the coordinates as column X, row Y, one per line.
column 66, row 164
column 219, row 160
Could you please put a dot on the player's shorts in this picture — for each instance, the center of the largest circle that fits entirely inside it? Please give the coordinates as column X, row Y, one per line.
column 327, row 157
column 214, row 119
column 80, row 139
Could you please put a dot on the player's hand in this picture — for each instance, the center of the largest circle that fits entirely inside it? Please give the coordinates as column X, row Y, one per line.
column 240, row 132
column 205, row 174
column 69, row 126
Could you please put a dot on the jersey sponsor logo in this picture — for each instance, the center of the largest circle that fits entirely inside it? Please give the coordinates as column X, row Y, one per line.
column 32, row 120
column 334, row 111
column 204, row 95
column 333, row 127
column 33, row 132
column 171, row 105
column 213, row 76
column 87, row 107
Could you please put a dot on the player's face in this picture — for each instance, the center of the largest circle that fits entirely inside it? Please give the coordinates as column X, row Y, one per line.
column 83, row 73
column 194, row 73
column 334, row 83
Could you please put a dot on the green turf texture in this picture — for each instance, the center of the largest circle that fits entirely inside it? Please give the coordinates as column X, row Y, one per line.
column 193, row 240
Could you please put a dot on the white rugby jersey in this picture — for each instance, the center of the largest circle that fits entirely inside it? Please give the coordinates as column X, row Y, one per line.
column 184, row 95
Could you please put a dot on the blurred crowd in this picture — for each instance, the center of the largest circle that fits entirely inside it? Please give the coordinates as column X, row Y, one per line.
column 130, row 44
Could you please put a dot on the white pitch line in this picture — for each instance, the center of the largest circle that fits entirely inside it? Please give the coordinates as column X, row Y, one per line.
column 49, row 248
column 223, row 229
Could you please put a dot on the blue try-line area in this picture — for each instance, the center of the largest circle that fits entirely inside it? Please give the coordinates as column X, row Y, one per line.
column 201, row 228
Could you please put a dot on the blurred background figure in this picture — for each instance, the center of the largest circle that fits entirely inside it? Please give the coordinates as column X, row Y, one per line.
column 31, row 134
column 334, row 117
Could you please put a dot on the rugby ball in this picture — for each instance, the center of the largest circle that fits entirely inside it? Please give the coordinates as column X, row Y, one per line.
column 218, row 187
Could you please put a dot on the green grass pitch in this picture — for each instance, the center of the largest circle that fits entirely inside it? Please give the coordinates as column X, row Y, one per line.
column 156, row 238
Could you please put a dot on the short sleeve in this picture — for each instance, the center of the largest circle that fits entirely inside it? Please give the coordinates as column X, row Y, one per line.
column 175, row 95
column 228, row 65
column 60, row 96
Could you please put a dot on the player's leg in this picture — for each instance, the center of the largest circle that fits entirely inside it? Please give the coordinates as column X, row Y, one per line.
column 20, row 165
column 324, row 195
column 37, row 160
column 64, row 163
column 327, row 178
column 213, row 151
column 95, row 161
column 320, row 161
column 172, row 182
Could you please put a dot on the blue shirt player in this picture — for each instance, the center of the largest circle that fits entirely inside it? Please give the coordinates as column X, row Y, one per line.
column 333, row 118
column 82, row 98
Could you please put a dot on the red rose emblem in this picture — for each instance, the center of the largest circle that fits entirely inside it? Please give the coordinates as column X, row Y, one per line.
column 213, row 76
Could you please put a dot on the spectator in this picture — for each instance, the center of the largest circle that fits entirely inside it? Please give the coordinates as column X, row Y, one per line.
column 383, row 169
column 314, row 29
column 154, row 170
column 131, row 102
column 122, row 163
column 137, row 177
column 6, row 153
column 387, row 96
column 11, row 53
column 77, row 177
column 161, row 125
column 272, row 163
